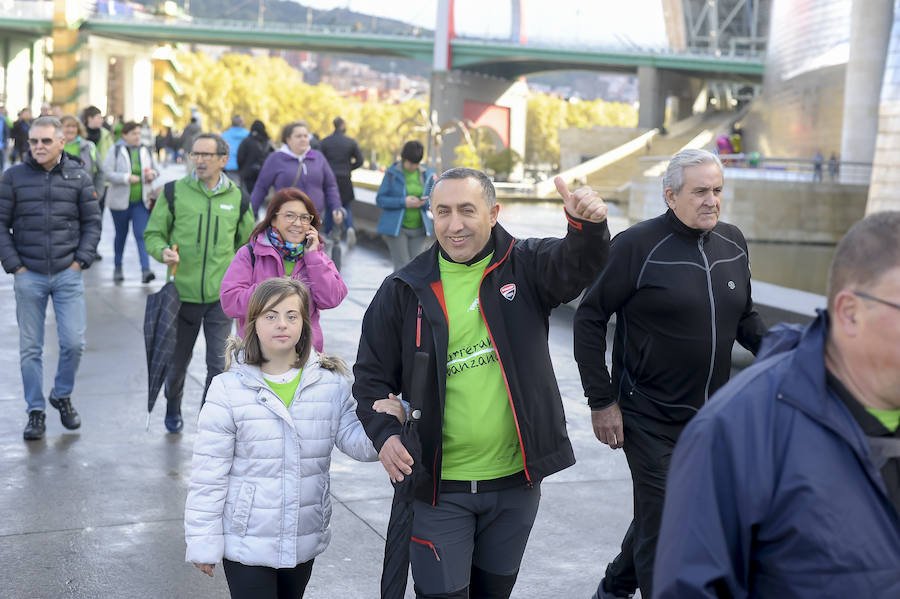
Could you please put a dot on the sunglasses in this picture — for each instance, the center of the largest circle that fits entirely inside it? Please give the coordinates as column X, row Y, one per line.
column 45, row 141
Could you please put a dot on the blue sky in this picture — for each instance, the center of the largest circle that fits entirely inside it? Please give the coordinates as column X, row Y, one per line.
column 566, row 22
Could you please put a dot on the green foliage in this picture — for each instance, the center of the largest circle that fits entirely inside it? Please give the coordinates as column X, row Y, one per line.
column 503, row 162
column 466, row 156
column 269, row 89
column 548, row 114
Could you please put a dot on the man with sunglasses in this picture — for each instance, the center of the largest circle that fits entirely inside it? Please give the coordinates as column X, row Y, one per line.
column 207, row 216
column 788, row 484
column 49, row 229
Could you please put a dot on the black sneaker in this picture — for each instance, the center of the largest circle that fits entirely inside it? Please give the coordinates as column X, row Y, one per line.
column 147, row 276
column 67, row 414
column 35, row 429
column 118, row 277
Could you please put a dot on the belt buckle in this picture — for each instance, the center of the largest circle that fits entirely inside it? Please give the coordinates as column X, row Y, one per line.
column 474, row 488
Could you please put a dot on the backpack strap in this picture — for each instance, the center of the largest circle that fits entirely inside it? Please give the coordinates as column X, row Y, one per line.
column 249, row 247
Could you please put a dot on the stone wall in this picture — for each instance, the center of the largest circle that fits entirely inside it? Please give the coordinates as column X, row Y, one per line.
column 576, row 145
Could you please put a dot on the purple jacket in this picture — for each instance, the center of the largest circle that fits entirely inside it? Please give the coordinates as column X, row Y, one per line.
column 316, row 180
column 315, row 270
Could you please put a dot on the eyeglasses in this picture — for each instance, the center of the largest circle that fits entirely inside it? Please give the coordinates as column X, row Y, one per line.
column 45, row 141
column 291, row 218
column 205, row 155
column 876, row 299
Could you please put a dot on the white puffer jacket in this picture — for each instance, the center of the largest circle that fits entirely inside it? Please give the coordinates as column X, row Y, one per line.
column 259, row 490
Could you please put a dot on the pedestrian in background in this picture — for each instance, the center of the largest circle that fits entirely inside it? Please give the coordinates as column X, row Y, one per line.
column 130, row 169
column 49, row 229
column 209, row 220
column 343, row 155
column 286, row 243
column 233, row 136
column 788, row 483
column 80, row 147
column 679, row 285
column 252, row 153
column 19, row 134
column 405, row 222
column 190, row 133
column 5, row 134
column 258, row 496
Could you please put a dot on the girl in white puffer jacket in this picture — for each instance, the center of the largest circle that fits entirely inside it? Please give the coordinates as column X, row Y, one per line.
column 259, row 491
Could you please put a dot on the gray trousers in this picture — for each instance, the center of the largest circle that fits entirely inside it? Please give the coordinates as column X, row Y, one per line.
column 406, row 246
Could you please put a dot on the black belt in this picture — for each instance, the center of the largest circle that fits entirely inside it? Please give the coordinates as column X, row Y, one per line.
column 484, row 486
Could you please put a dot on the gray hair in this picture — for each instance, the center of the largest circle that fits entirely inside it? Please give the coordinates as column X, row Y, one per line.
column 487, row 188
column 221, row 145
column 49, row 121
column 674, row 177
column 867, row 252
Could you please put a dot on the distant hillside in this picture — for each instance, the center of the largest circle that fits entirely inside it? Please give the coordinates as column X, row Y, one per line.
column 291, row 12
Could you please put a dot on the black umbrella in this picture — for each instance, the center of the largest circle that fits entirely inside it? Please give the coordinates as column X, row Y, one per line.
column 160, row 323
column 396, row 545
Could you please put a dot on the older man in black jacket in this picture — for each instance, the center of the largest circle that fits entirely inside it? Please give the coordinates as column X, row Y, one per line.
column 679, row 285
column 492, row 424
column 49, row 229
column 343, row 155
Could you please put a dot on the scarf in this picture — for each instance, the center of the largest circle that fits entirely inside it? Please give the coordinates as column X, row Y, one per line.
column 292, row 252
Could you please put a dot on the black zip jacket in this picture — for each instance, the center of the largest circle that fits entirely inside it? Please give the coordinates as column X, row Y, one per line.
column 48, row 219
column 681, row 296
column 523, row 282
column 342, row 153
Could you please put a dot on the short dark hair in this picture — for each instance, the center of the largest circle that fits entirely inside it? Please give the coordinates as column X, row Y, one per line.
column 412, row 151
column 129, row 127
column 288, row 129
column 91, row 111
column 869, row 250
column 339, row 123
column 237, row 120
column 487, row 187
column 221, row 145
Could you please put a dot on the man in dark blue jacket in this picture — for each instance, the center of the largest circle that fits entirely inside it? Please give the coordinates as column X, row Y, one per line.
column 49, row 229
column 679, row 285
column 788, row 484
column 492, row 423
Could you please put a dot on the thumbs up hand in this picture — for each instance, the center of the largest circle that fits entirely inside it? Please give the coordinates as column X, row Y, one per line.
column 584, row 203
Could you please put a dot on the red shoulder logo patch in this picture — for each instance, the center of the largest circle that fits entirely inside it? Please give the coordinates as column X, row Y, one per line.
column 508, row 291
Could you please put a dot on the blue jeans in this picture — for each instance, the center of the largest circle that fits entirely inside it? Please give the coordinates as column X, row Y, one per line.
column 32, row 290
column 138, row 214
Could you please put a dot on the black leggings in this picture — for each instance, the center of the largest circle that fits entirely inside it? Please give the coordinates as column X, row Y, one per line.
column 261, row 582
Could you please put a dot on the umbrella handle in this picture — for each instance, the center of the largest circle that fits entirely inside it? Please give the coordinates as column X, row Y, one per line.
column 171, row 278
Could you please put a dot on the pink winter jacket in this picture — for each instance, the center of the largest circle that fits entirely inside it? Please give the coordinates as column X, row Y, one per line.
column 315, row 270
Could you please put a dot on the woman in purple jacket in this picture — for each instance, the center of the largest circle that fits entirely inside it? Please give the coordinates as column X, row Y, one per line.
column 285, row 243
column 295, row 164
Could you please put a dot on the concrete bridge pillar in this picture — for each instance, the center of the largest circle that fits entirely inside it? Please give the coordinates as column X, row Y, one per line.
column 22, row 83
column 885, row 179
column 118, row 78
column 479, row 100
column 656, row 88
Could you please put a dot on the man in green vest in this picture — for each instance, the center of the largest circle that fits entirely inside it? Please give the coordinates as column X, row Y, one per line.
column 206, row 215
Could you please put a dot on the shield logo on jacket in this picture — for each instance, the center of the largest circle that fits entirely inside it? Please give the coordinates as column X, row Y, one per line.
column 508, row 291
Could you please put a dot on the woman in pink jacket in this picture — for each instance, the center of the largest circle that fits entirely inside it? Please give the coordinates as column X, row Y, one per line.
column 285, row 243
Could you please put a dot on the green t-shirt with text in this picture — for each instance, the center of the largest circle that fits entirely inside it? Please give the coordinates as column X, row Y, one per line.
column 890, row 419
column 480, row 441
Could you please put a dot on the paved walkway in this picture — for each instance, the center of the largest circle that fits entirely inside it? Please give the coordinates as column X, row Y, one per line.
column 98, row 512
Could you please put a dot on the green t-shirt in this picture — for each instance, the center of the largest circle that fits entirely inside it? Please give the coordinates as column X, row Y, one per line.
column 480, row 441
column 72, row 147
column 285, row 385
column 135, row 195
column 890, row 419
column 412, row 218
column 289, row 267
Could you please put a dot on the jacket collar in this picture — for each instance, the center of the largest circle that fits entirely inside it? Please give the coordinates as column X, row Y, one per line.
column 60, row 162
column 806, row 388
column 684, row 230
column 424, row 269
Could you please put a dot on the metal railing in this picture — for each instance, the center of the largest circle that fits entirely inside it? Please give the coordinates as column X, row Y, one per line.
column 746, row 166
